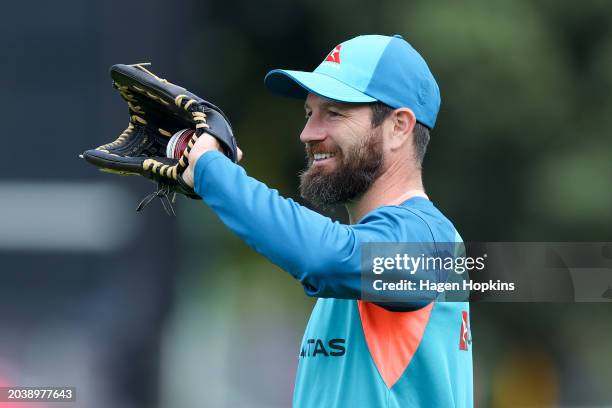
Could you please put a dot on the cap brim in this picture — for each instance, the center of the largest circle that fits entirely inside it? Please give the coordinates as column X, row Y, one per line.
column 297, row 84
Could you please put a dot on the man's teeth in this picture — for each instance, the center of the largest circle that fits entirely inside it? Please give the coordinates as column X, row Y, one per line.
column 321, row 156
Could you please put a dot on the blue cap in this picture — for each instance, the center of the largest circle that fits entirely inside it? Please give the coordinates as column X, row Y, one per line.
column 366, row 69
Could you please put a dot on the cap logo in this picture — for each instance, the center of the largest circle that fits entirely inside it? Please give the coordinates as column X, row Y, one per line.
column 334, row 55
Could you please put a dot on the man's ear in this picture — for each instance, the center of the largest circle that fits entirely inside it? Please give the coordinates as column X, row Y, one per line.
column 402, row 124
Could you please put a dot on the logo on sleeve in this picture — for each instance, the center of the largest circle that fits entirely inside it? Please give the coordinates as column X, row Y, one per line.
column 464, row 335
column 334, row 55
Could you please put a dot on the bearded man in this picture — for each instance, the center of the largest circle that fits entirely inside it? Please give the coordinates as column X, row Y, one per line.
column 370, row 106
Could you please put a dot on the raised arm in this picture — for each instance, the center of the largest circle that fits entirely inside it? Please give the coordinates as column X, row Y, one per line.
column 324, row 255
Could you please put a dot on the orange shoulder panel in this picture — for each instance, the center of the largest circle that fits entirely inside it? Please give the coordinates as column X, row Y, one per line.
column 392, row 337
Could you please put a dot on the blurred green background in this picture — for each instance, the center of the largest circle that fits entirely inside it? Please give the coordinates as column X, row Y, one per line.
column 522, row 151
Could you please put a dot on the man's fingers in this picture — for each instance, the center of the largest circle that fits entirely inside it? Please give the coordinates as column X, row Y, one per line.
column 188, row 176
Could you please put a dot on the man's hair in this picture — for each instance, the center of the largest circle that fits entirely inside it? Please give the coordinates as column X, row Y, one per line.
column 381, row 111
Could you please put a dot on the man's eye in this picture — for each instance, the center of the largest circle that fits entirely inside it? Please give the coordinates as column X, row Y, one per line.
column 333, row 113
column 307, row 115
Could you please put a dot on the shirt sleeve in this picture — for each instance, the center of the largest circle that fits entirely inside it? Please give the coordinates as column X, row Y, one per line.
column 324, row 255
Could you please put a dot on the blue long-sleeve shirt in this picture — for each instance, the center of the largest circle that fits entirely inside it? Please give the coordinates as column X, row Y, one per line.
column 354, row 353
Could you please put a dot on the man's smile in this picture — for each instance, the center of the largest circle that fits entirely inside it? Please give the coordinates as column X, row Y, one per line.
column 319, row 159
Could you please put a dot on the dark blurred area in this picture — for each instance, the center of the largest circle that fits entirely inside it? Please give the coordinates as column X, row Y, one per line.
column 143, row 310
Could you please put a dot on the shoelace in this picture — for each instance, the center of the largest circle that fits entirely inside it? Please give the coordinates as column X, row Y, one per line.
column 163, row 192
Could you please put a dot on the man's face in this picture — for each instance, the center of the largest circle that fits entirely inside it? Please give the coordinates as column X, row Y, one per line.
column 345, row 154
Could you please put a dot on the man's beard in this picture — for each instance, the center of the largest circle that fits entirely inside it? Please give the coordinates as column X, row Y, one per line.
column 356, row 170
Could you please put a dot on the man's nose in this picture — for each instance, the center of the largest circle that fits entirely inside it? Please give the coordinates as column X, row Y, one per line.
column 312, row 132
